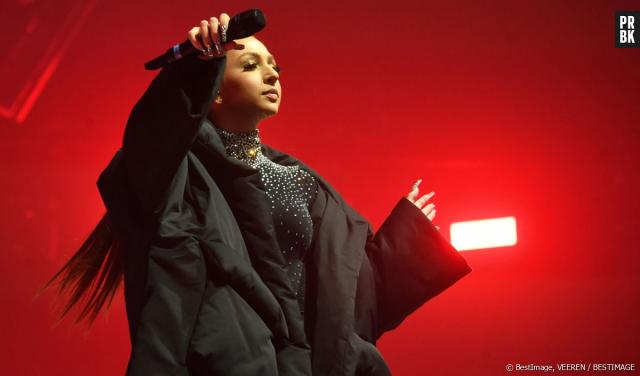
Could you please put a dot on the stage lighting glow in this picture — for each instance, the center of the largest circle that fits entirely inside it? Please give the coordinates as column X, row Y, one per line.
column 484, row 233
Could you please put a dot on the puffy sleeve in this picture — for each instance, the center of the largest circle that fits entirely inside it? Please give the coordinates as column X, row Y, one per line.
column 412, row 262
column 164, row 123
column 172, row 289
column 165, row 273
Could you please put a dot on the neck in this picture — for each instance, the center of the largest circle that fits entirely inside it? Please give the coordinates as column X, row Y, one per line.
column 233, row 122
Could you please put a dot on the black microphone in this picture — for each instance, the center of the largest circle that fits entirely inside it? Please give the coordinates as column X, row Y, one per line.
column 241, row 25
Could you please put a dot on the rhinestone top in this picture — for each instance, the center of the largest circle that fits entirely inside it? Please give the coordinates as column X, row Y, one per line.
column 290, row 191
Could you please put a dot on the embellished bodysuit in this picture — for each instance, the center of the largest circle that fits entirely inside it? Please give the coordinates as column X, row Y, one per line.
column 291, row 192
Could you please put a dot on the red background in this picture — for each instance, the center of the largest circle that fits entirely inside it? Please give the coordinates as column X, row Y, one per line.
column 503, row 108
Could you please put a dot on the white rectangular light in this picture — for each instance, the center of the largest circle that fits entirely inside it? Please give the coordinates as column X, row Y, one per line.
column 484, row 233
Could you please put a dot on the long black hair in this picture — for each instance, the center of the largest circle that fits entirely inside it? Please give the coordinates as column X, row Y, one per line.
column 92, row 275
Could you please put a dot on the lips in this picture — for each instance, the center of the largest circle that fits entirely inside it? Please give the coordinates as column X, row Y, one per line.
column 271, row 91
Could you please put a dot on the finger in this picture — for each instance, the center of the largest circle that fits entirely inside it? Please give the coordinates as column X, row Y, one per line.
column 432, row 215
column 224, row 19
column 427, row 209
column 224, row 26
column 213, row 32
column 193, row 38
column 414, row 191
column 423, row 200
column 204, row 34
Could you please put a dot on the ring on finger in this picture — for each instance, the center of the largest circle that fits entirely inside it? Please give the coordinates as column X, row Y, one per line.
column 223, row 34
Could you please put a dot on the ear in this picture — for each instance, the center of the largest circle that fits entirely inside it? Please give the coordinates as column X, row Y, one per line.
column 218, row 99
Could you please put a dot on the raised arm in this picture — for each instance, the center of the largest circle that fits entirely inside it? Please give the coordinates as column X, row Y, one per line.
column 164, row 122
column 165, row 285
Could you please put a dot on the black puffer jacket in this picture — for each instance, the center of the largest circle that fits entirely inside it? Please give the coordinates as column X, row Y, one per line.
column 205, row 284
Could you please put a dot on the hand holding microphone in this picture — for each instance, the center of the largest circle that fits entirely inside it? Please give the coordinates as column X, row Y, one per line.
column 212, row 33
column 213, row 37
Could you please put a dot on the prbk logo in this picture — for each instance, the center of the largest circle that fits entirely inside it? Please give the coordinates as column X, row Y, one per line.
column 626, row 25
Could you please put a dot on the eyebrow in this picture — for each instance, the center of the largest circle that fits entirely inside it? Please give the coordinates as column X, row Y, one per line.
column 257, row 55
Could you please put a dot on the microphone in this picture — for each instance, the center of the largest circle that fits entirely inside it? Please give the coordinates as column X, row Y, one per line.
column 241, row 25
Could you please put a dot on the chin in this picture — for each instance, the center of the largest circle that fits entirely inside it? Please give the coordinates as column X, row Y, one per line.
column 270, row 111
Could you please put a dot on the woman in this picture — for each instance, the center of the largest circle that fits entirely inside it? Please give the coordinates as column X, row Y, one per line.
column 239, row 259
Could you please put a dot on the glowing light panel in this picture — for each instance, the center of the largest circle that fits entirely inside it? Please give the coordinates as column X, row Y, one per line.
column 484, row 233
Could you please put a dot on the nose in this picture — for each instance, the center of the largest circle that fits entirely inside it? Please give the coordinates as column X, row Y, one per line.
column 271, row 77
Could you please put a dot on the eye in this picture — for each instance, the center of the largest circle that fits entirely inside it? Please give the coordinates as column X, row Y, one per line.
column 250, row 66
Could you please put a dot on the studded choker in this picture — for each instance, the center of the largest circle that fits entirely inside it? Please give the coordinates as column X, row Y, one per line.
column 244, row 146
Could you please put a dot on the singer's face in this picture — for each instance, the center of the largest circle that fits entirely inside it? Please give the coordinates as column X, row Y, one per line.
column 249, row 75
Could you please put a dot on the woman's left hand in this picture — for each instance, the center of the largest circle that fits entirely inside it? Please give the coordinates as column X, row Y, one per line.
column 429, row 209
